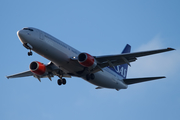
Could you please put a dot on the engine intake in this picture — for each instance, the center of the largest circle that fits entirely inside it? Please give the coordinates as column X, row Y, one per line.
column 37, row 68
column 87, row 60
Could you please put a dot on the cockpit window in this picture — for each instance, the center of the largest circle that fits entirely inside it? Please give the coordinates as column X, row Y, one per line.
column 28, row 29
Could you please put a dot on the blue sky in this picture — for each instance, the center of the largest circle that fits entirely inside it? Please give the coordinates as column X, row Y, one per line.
column 99, row 27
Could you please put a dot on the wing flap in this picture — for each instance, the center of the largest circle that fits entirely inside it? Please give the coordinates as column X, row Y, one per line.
column 138, row 80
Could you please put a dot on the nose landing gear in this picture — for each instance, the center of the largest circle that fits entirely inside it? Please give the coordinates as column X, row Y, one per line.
column 30, row 53
column 28, row 46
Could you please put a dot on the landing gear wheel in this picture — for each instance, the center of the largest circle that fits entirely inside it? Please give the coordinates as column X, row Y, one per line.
column 63, row 81
column 30, row 53
column 59, row 82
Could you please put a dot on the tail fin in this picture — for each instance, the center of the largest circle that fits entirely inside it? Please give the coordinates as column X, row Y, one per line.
column 122, row 69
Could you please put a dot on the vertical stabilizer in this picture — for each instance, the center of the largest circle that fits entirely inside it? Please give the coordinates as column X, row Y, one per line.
column 122, row 69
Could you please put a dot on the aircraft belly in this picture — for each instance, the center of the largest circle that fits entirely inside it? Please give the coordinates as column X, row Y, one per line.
column 106, row 80
column 58, row 55
column 50, row 53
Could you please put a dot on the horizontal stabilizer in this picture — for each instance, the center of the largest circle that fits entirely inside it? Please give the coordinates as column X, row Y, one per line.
column 138, row 80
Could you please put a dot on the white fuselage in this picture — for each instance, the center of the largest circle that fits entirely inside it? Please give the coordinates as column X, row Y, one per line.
column 60, row 54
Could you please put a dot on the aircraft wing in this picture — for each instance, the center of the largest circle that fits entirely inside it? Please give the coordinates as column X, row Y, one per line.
column 50, row 72
column 23, row 74
column 113, row 60
column 138, row 80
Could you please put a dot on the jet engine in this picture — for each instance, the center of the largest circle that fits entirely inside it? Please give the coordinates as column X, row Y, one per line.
column 37, row 68
column 87, row 60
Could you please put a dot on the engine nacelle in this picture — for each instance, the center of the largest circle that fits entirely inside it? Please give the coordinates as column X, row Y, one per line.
column 87, row 60
column 37, row 68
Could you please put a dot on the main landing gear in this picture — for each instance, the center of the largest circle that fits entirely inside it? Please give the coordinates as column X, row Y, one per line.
column 61, row 81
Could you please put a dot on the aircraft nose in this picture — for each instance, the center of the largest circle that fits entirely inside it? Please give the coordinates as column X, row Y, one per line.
column 21, row 35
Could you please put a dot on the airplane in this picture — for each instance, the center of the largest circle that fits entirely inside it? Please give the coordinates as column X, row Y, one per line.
column 106, row 71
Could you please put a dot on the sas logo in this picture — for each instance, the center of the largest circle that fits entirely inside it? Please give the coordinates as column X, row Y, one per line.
column 121, row 70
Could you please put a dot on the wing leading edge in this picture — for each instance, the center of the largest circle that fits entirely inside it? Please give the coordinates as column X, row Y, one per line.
column 138, row 80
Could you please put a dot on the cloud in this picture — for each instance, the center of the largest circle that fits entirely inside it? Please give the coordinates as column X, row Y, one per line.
column 155, row 43
column 155, row 65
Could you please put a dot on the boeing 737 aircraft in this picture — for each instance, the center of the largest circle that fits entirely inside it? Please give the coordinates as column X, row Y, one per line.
column 108, row 71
